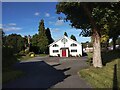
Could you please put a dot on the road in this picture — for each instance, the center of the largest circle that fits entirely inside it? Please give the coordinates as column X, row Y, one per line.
column 50, row 72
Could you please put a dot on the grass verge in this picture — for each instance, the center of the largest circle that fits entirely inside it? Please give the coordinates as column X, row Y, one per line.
column 43, row 55
column 106, row 77
column 23, row 58
column 11, row 74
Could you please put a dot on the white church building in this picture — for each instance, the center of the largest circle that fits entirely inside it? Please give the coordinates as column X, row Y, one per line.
column 65, row 47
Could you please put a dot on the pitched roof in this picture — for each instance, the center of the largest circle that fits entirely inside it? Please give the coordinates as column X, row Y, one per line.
column 62, row 38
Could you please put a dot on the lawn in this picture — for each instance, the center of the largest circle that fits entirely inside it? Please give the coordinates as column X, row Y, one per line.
column 43, row 55
column 23, row 58
column 106, row 77
column 9, row 74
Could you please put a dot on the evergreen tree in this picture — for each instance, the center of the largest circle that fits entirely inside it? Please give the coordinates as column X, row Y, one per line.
column 65, row 34
column 41, row 29
column 48, row 34
column 73, row 37
column 42, row 38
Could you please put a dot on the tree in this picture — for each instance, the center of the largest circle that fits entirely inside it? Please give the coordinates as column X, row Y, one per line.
column 91, row 18
column 42, row 38
column 49, row 37
column 73, row 37
column 15, row 41
column 3, row 38
column 65, row 33
column 34, row 44
column 25, row 42
column 34, row 40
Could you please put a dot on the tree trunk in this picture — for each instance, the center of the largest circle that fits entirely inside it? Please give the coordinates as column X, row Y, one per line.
column 97, row 62
column 114, row 43
column 107, row 44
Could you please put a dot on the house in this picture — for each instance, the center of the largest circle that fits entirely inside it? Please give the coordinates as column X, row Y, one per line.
column 65, row 47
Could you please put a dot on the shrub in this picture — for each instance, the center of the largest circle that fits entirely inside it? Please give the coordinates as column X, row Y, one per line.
column 32, row 54
column 26, row 51
column 8, row 57
column 21, row 53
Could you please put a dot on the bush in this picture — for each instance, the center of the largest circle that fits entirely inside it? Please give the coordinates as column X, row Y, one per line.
column 32, row 54
column 26, row 51
column 8, row 57
column 22, row 53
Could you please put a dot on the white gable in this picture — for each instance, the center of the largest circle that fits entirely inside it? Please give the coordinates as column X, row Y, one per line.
column 74, row 48
column 69, row 40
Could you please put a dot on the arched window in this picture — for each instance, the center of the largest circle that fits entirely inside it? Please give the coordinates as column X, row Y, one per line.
column 64, row 40
column 73, row 45
column 55, row 45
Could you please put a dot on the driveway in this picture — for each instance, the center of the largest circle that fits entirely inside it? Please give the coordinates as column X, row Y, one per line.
column 50, row 72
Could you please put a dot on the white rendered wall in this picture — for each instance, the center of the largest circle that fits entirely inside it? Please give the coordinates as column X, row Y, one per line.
column 67, row 45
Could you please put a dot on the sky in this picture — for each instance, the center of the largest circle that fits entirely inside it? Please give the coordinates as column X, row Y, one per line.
column 23, row 18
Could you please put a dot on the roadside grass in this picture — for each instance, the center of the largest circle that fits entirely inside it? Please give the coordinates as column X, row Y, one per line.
column 43, row 55
column 23, row 58
column 10, row 74
column 103, row 77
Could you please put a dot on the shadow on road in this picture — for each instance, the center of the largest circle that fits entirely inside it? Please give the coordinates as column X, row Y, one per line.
column 38, row 75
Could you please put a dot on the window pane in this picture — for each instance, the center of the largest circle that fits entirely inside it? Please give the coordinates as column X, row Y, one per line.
column 55, row 45
column 74, row 50
column 73, row 44
column 55, row 51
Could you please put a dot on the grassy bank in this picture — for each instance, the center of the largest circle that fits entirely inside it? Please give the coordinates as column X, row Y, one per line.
column 10, row 74
column 106, row 77
column 43, row 55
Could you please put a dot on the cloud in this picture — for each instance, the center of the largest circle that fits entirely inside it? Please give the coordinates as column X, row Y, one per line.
column 36, row 13
column 55, row 30
column 12, row 28
column 47, row 14
column 12, row 24
column 59, row 23
column 0, row 25
column 53, row 17
column 50, row 22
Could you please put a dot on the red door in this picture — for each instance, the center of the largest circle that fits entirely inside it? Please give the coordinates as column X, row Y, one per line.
column 63, row 53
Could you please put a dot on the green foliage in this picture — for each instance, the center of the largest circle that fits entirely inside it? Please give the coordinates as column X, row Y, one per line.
column 8, row 57
column 11, row 75
column 25, row 40
column 15, row 41
column 90, row 44
column 34, row 40
column 42, row 41
column 104, row 15
column 30, row 53
column 103, row 77
column 49, row 37
column 26, row 51
column 41, row 28
column 100, row 77
column 22, row 53
column 73, row 37
column 65, row 33
column 43, row 44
